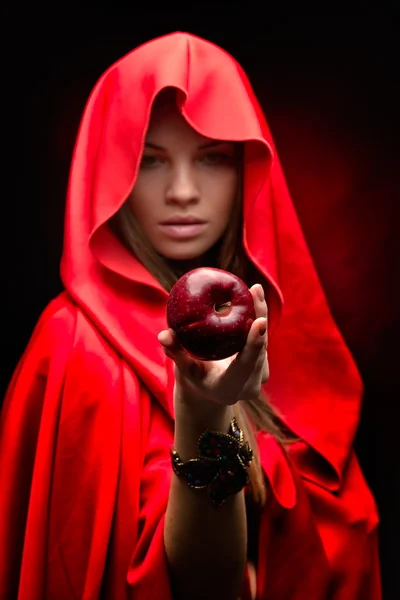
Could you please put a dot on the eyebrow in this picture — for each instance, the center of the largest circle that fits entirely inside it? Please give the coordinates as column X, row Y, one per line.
column 202, row 147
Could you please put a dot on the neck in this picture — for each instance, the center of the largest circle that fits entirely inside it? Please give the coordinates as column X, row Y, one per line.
column 209, row 259
column 180, row 267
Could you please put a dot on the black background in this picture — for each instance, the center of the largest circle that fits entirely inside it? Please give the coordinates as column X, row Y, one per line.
column 330, row 89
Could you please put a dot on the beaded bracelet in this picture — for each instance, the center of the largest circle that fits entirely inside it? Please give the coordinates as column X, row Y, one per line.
column 221, row 466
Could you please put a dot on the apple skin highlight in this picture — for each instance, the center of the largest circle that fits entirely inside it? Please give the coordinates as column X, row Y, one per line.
column 211, row 312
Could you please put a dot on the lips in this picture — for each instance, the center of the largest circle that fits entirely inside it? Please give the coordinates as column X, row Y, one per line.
column 183, row 230
column 182, row 221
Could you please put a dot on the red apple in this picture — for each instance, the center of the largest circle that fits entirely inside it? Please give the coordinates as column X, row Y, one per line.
column 211, row 312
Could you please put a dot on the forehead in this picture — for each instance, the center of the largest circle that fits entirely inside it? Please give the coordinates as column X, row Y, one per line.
column 167, row 124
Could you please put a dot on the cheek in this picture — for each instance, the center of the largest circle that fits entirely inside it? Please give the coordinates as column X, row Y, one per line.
column 142, row 197
column 224, row 191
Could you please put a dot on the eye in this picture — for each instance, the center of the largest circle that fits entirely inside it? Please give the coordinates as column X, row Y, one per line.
column 149, row 161
column 216, row 158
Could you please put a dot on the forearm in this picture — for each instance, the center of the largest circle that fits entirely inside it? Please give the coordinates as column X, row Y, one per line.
column 206, row 546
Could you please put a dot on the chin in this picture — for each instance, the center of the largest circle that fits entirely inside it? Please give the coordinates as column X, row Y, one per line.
column 181, row 266
column 184, row 254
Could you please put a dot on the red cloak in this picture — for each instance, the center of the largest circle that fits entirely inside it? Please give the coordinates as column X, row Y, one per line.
column 87, row 423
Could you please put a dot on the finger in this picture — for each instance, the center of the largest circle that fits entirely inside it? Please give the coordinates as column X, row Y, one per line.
column 248, row 364
column 261, row 310
column 166, row 337
column 187, row 365
column 260, row 373
column 260, row 305
column 253, row 354
column 265, row 370
column 257, row 336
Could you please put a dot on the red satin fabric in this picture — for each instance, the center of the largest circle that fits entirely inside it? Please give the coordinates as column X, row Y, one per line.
column 88, row 418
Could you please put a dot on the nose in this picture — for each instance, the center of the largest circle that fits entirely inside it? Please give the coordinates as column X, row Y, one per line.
column 182, row 186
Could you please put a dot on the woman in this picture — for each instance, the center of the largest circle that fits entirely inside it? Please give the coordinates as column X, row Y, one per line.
column 91, row 504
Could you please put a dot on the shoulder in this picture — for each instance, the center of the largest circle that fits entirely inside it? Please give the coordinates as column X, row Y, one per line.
column 65, row 334
column 53, row 330
column 59, row 317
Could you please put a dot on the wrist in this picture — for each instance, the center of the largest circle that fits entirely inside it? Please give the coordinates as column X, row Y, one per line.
column 204, row 413
column 193, row 417
column 221, row 464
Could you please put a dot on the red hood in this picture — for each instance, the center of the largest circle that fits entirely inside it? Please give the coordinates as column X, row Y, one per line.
column 314, row 381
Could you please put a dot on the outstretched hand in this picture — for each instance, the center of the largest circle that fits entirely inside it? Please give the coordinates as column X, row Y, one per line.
column 225, row 381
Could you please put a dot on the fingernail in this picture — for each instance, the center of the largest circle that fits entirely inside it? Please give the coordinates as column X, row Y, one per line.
column 263, row 328
column 260, row 293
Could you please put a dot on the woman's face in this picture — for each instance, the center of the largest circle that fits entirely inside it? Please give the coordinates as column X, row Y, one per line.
column 183, row 175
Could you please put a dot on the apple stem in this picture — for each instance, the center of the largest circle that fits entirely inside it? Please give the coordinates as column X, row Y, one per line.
column 222, row 308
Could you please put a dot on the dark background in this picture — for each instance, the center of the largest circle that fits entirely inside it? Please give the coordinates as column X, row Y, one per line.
column 330, row 89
